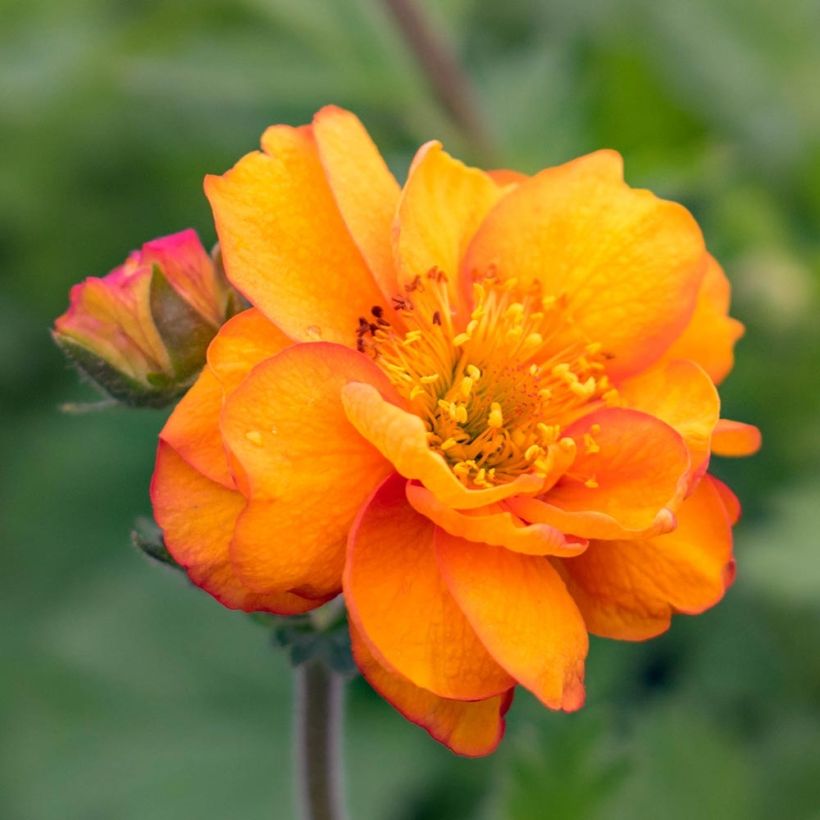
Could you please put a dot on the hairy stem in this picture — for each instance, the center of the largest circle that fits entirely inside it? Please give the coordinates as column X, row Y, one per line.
column 318, row 736
column 448, row 80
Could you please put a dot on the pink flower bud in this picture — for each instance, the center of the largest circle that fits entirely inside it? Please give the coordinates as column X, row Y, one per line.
column 141, row 332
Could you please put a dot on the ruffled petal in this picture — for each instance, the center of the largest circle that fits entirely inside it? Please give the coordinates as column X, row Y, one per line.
column 469, row 728
column 628, row 264
column 735, row 439
column 681, row 394
column 303, row 467
column 402, row 438
column 193, row 429
column 441, row 206
column 629, row 476
column 399, row 603
column 365, row 190
column 242, row 342
column 629, row 589
column 520, row 609
column 197, row 518
column 494, row 525
column 285, row 244
column 709, row 338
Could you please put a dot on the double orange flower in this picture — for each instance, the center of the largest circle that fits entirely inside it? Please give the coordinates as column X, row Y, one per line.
column 481, row 406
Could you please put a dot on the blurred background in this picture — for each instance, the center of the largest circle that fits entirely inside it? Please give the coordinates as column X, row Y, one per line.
column 127, row 694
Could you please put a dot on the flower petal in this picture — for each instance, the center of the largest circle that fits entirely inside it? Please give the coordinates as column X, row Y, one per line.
column 735, row 439
column 494, row 525
column 628, row 263
column 469, row 728
column 629, row 589
column 193, row 429
column 402, row 438
column 629, row 482
column 710, row 336
column 242, row 342
column 365, row 190
column 441, row 206
column 197, row 518
column 304, row 468
column 284, row 243
column 522, row 612
column 681, row 394
column 399, row 603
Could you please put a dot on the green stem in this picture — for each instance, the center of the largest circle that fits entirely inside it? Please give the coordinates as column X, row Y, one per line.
column 318, row 736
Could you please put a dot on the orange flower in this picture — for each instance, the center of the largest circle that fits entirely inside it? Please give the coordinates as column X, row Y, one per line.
column 481, row 406
column 141, row 331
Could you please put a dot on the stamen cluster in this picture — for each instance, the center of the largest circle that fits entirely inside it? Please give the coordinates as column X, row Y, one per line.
column 495, row 390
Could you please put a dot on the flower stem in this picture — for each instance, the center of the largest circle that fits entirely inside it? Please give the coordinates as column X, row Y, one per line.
column 447, row 79
column 318, row 740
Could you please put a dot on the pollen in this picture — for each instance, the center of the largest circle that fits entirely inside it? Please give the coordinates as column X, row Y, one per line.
column 495, row 385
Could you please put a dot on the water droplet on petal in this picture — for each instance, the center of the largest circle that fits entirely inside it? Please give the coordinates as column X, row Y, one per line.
column 254, row 437
column 313, row 332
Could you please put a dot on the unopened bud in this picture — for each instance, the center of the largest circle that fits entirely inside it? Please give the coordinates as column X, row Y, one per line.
column 141, row 332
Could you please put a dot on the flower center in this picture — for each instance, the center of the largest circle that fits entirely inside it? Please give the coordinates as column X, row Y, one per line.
column 496, row 394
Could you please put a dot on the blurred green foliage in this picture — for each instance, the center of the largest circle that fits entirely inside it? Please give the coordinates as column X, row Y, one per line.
column 124, row 693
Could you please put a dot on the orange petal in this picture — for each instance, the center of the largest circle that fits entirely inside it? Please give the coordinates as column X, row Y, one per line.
column 399, row 603
column 242, row 342
column 469, row 728
column 681, row 394
column 629, row 264
column 284, row 243
column 710, row 336
column 402, row 438
column 505, row 177
column 365, row 190
column 441, row 206
column 629, row 485
column 522, row 612
column 193, row 429
column 629, row 589
column 304, row 468
column 197, row 518
column 494, row 525
column 730, row 500
column 736, row 439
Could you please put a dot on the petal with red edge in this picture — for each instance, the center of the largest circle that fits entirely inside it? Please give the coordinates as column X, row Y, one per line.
column 402, row 438
column 629, row 264
column 494, row 525
column 522, row 612
column 193, row 429
column 302, row 465
column 284, row 243
column 628, row 478
column 441, row 206
column 681, row 394
column 730, row 500
column 735, row 439
column 399, row 603
column 469, row 728
column 365, row 190
column 710, row 336
column 629, row 589
column 197, row 518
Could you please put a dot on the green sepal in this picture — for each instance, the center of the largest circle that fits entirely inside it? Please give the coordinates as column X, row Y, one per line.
column 185, row 333
column 147, row 538
column 116, row 384
column 305, row 639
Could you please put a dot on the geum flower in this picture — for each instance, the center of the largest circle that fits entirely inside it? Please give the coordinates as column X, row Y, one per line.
column 481, row 406
column 141, row 332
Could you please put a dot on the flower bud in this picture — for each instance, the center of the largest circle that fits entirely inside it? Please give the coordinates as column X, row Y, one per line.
column 141, row 332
